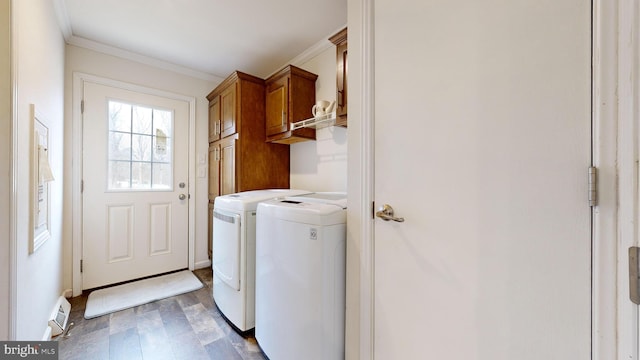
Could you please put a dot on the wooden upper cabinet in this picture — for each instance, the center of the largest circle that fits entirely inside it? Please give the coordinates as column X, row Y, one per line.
column 290, row 95
column 239, row 158
column 223, row 109
column 214, row 120
column 340, row 40
column 277, row 122
column 228, row 110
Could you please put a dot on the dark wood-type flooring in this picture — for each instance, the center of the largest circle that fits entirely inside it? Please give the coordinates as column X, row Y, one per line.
column 187, row 326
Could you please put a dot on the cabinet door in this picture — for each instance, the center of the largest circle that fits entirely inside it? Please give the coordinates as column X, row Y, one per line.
column 214, row 120
column 214, row 171
column 228, row 111
column 228, row 165
column 341, row 110
column 277, row 100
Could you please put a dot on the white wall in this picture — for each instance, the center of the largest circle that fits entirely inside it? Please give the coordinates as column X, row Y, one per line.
column 5, row 162
column 95, row 63
column 321, row 165
column 40, row 81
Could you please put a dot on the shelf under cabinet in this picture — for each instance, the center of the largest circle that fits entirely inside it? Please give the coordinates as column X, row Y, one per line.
column 317, row 122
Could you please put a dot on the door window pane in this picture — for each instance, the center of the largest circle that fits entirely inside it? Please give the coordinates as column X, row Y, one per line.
column 119, row 146
column 163, row 120
column 142, row 120
column 141, row 175
column 161, row 176
column 162, row 149
column 119, row 116
column 140, row 147
column 119, row 175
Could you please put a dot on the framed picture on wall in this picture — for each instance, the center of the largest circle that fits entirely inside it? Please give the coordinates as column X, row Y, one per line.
column 40, row 178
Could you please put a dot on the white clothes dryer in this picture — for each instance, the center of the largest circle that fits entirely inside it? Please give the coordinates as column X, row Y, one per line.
column 233, row 253
column 300, row 277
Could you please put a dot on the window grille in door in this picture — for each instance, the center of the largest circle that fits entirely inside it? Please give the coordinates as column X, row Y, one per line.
column 140, row 152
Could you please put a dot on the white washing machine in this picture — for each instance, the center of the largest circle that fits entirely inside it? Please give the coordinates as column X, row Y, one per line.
column 300, row 277
column 233, row 253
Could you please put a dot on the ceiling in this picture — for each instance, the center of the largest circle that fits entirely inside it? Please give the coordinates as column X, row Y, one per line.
column 210, row 37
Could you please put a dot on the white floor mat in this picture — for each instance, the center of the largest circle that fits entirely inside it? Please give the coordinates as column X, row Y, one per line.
column 112, row 299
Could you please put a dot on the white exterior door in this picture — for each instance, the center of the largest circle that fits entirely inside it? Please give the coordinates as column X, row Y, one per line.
column 482, row 144
column 135, row 174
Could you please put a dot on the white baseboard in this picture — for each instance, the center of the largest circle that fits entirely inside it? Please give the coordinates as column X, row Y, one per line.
column 67, row 293
column 203, row 264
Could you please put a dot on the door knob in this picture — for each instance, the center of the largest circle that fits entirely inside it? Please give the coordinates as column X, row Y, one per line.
column 182, row 196
column 386, row 213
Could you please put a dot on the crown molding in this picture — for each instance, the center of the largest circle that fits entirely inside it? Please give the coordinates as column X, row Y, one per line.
column 69, row 38
column 313, row 51
column 147, row 60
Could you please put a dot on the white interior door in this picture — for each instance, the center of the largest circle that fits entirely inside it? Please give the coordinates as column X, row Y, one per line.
column 482, row 144
column 135, row 174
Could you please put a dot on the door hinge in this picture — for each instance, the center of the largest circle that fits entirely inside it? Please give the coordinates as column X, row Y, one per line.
column 593, row 186
column 81, row 186
column 81, row 106
column 81, row 265
column 373, row 210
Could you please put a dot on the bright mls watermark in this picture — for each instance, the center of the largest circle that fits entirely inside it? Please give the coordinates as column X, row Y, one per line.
column 29, row 350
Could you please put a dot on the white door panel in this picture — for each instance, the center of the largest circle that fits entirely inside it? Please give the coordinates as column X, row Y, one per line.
column 135, row 159
column 482, row 123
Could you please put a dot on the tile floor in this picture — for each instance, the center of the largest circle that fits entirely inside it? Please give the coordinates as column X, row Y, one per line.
column 187, row 326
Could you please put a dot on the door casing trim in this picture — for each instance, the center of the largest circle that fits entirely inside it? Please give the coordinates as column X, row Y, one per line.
column 76, row 233
column 616, row 147
column 366, row 136
column 12, row 295
column 605, row 155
